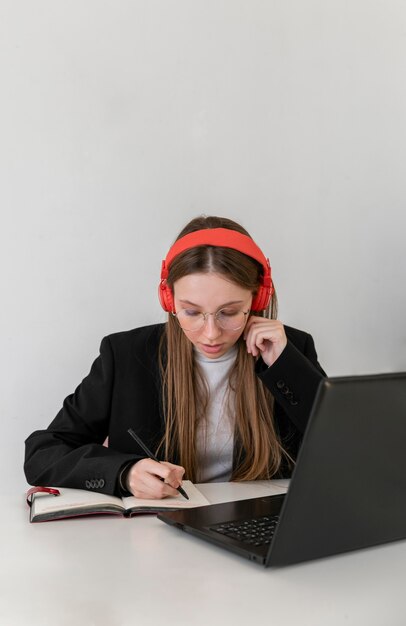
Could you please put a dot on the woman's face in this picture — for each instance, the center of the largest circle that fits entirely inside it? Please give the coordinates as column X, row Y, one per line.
column 208, row 293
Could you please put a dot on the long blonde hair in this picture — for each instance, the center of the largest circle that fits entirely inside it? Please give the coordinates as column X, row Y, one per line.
column 185, row 397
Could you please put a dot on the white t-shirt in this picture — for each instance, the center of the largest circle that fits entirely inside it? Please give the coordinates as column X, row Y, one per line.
column 215, row 433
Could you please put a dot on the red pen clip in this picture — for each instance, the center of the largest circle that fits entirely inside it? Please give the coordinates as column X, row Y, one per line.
column 50, row 490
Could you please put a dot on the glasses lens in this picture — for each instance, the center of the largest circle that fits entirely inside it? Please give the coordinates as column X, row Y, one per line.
column 189, row 319
column 229, row 319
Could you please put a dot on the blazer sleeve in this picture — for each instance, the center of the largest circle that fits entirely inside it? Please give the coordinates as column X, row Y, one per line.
column 293, row 380
column 70, row 452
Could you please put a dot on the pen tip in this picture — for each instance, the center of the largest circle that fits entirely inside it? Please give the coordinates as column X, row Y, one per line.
column 183, row 492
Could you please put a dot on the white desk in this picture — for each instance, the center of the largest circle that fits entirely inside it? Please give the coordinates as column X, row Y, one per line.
column 108, row 571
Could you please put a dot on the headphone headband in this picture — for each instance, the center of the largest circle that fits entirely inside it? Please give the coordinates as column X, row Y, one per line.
column 222, row 238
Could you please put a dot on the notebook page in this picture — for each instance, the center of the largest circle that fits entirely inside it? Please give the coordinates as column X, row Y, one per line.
column 196, row 498
column 71, row 499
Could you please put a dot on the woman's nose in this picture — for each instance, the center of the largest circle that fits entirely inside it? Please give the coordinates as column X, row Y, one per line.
column 211, row 328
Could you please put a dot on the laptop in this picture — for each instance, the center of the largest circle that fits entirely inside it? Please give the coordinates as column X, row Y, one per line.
column 348, row 488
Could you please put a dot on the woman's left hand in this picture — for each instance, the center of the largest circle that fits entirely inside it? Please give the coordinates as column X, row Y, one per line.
column 265, row 337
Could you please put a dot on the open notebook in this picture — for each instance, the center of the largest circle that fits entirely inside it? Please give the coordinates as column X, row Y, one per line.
column 76, row 502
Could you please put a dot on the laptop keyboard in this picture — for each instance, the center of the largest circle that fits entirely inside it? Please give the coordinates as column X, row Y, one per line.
column 257, row 532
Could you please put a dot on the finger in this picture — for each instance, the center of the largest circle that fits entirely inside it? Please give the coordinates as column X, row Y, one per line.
column 255, row 339
column 251, row 322
column 157, row 488
column 146, row 485
column 176, row 468
column 162, row 470
column 268, row 329
column 255, row 323
column 262, row 339
column 168, row 472
column 265, row 340
column 175, row 476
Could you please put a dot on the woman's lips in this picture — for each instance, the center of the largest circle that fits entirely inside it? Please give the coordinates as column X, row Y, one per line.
column 212, row 349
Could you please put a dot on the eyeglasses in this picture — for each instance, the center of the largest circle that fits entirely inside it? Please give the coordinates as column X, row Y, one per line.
column 227, row 319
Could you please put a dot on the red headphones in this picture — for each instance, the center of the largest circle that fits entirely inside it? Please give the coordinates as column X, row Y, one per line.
column 224, row 238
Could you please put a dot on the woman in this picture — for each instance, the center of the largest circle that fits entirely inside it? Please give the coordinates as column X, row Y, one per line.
column 222, row 391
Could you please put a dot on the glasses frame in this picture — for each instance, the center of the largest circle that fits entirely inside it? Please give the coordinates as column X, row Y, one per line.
column 215, row 315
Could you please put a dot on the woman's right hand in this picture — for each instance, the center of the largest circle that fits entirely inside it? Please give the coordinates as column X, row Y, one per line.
column 149, row 479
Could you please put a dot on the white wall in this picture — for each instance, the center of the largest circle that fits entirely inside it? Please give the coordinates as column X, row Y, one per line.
column 120, row 121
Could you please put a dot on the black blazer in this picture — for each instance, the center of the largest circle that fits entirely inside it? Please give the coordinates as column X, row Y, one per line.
column 123, row 390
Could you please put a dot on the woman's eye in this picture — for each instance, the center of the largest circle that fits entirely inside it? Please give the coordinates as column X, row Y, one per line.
column 190, row 313
column 228, row 312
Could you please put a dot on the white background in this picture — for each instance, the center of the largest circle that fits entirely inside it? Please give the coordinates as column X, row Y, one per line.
column 120, row 121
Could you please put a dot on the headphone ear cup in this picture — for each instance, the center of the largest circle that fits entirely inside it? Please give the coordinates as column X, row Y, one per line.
column 263, row 297
column 261, row 300
column 165, row 296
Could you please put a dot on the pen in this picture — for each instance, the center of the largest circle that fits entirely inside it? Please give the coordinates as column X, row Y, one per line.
column 153, row 457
